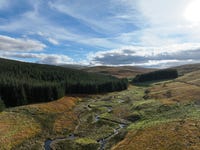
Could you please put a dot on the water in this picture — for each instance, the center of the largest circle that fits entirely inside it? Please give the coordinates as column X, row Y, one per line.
column 71, row 136
column 97, row 118
column 121, row 125
column 103, row 141
column 47, row 144
column 109, row 109
column 120, row 101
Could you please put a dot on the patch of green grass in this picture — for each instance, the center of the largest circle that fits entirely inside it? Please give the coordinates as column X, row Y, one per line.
column 96, row 131
column 153, row 113
column 46, row 120
column 141, row 104
column 78, row 144
column 85, row 141
column 106, row 115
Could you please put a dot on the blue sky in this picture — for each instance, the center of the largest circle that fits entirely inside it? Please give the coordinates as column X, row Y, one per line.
column 149, row 33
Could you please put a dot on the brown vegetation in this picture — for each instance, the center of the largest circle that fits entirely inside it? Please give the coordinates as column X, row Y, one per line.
column 15, row 128
column 23, row 123
column 178, row 135
column 120, row 72
column 183, row 89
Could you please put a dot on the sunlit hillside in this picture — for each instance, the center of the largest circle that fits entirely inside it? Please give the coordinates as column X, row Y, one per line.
column 150, row 115
column 30, row 125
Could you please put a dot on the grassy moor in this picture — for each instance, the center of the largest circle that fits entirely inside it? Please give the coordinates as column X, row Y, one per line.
column 158, row 114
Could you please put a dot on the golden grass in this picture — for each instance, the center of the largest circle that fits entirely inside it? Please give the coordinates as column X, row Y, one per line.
column 19, row 124
column 67, row 120
column 59, row 106
column 191, row 77
column 63, row 108
column 178, row 135
column 120, row 72
column 15, row 128
column 175, row 92
column 121, row 111
column 184, row 89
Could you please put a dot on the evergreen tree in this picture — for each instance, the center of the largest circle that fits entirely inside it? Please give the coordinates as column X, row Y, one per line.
column 24, row 83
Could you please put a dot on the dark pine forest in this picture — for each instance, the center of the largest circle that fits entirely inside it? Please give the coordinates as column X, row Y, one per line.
column 156, row 75
column 24, row 83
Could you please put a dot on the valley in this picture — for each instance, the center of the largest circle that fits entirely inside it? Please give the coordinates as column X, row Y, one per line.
column 93, row 121
column 150, row 116
column 155, row 114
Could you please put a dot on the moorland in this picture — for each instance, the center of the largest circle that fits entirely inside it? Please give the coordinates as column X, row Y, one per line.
column 161, row 114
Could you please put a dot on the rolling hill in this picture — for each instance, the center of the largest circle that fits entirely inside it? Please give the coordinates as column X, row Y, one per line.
column 155, row 115
column 120, row 72
column 183, row 69
column 31, row 83
column 159, row 115
column 171, row 115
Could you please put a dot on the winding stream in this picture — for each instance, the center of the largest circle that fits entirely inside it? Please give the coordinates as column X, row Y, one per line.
column 48, row 143
column 103, row 141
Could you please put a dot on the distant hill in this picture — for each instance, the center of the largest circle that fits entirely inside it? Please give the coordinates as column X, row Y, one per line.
column 72, row 66
column 120, row 72
column 187, row 68
column 23, row 83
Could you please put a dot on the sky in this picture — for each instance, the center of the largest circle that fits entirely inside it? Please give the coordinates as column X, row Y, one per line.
column 147, row 33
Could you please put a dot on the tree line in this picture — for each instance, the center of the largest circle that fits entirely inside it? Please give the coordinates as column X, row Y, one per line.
column 156, row 75
column 24, row 83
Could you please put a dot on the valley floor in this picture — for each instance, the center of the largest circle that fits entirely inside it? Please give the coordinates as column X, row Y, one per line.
column 156, row 116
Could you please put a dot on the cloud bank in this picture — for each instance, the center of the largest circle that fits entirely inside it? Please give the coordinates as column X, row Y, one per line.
column 42, row 58
column 149, row 56
column 16, row 44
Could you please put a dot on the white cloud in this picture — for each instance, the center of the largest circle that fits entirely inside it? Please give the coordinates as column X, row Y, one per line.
column 111, row 16
column 162, row 12
column 149, row 51
column 164, row 23
column 53, row 41
column 32, row 23
column 165, row 63
column 148, row 56
column 16, row 44
column 54, row 59
column 159, row 21
column 167, row 23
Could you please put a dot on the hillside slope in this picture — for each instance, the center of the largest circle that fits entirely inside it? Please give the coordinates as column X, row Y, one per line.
column 34, row 123
column 120, row 72
column 170, row 113
column 187, row 68
column 31, row 83
column 162, row 115
column 182, row 89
